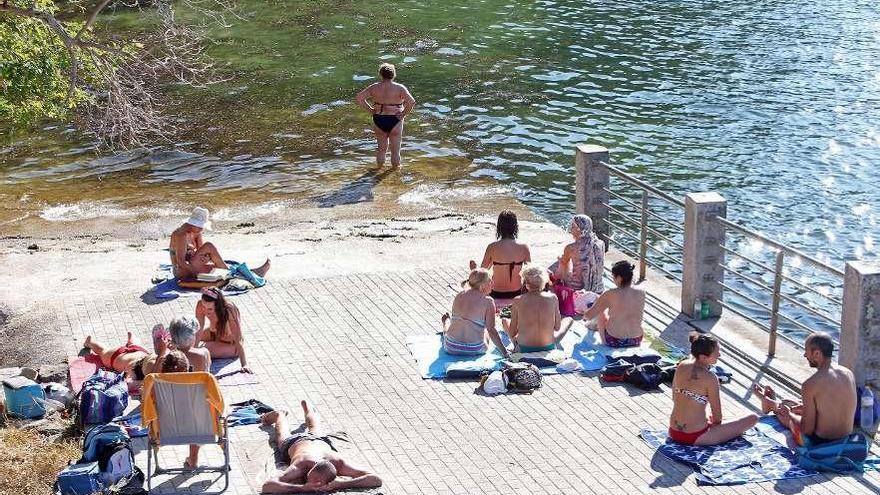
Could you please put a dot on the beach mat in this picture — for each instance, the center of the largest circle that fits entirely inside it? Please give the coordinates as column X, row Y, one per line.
column 80, row 368
column 752, row 458
column 433, row 362
column 228, row 373
column 167, row 287
column 593, row 355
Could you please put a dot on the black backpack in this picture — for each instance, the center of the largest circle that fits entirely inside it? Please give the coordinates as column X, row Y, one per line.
column 646, row 376
column 521, row 377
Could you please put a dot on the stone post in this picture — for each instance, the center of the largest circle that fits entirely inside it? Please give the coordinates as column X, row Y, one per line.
column 860, row 322
column 591, row 182
column 703, row 239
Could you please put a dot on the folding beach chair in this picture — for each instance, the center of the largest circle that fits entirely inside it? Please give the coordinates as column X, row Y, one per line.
column 184, row 409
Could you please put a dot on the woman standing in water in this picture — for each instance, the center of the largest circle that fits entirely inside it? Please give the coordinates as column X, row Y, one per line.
column 390, row 103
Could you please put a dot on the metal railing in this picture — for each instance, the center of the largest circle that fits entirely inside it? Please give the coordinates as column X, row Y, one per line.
column 642, row 217
column 777, row 294
column 784, row 291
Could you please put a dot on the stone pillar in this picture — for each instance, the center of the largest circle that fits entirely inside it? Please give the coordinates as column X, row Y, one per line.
column 703, row 239
column 590, row 185
column 860, row 322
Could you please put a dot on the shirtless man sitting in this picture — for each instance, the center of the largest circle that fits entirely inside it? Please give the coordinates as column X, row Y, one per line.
column 828, row 398
column 620, row 310
column 535, row 320
column 314, row 463
column 191, row 255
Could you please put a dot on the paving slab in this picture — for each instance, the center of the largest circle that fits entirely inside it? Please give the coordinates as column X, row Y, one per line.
column 339, row 341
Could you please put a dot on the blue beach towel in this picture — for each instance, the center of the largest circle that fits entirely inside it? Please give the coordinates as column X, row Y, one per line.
column 754, row 457
column 592, row 354
column 167, row 287
column 433, row 362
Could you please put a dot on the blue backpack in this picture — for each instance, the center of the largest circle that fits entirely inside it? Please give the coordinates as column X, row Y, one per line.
column 103, row 397
column 840, row 456
column 110, row 446
column 79, row 479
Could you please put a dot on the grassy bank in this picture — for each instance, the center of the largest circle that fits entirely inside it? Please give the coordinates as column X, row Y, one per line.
column 29, row 463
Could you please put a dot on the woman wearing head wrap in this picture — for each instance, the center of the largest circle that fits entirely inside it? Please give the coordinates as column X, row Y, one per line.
column 581, row 263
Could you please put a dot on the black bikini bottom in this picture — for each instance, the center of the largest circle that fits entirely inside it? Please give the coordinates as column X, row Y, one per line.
column 386, row 122
column 501, row 294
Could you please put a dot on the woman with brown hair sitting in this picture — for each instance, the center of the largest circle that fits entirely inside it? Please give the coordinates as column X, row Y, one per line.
column 222, row 333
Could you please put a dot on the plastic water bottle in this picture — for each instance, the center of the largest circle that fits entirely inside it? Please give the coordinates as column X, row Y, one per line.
column 704, row 309
column 698, row 309
column 866, row 415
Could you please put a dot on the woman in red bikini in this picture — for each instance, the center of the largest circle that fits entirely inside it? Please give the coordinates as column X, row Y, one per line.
column 693, row 388
column 131, row 358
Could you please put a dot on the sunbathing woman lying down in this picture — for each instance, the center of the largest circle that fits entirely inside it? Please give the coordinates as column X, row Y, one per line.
column 135, row 361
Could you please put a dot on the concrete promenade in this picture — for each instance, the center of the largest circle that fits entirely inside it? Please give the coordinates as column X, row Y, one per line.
column 338, row 341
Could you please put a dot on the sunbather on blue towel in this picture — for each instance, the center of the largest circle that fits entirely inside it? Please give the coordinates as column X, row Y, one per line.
column 828, row 398
column 693, row 389
column 191, row 255
column 470, row 327
column 535, row 323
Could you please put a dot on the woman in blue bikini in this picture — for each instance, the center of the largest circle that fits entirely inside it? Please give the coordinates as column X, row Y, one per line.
column 389, row 102
column 470, row 327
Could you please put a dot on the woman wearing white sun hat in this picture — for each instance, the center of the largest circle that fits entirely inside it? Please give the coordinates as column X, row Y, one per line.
column 190, row 254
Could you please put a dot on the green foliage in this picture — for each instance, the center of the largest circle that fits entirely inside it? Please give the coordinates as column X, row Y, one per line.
column 34, row 64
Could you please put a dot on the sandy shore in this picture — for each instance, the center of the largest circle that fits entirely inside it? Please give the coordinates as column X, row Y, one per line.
column 59, row 261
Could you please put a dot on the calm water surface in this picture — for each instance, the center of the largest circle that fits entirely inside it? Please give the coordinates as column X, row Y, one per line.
column 773, row 104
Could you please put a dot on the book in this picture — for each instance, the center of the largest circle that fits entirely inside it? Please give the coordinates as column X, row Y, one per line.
column 214, row 275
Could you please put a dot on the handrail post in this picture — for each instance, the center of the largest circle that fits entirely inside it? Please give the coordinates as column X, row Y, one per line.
column 774, row 313
column 702, row 255
column 592, row 181
column 643, row 239
column 860, row 322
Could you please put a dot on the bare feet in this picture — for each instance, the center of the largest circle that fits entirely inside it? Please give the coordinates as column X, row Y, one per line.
column 472, row 265
column 444, row 319
column 305, row 406
column 261, row 270
column 768, row 398
column 128, row 340
column 270, row 418
column 88, row 342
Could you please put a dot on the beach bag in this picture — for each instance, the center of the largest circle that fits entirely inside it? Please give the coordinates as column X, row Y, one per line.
column 110, row 446
column 103, row 397
column 840, row 456
column 24, row 397
column 521, row 377
column 646, row 376
column 494, row 383
column 615, row 371
column 79, row 479
column 584, row 300
column 565, row 294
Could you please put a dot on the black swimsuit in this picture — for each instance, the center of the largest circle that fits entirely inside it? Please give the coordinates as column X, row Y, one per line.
column 386, row 122
column 509, row 294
